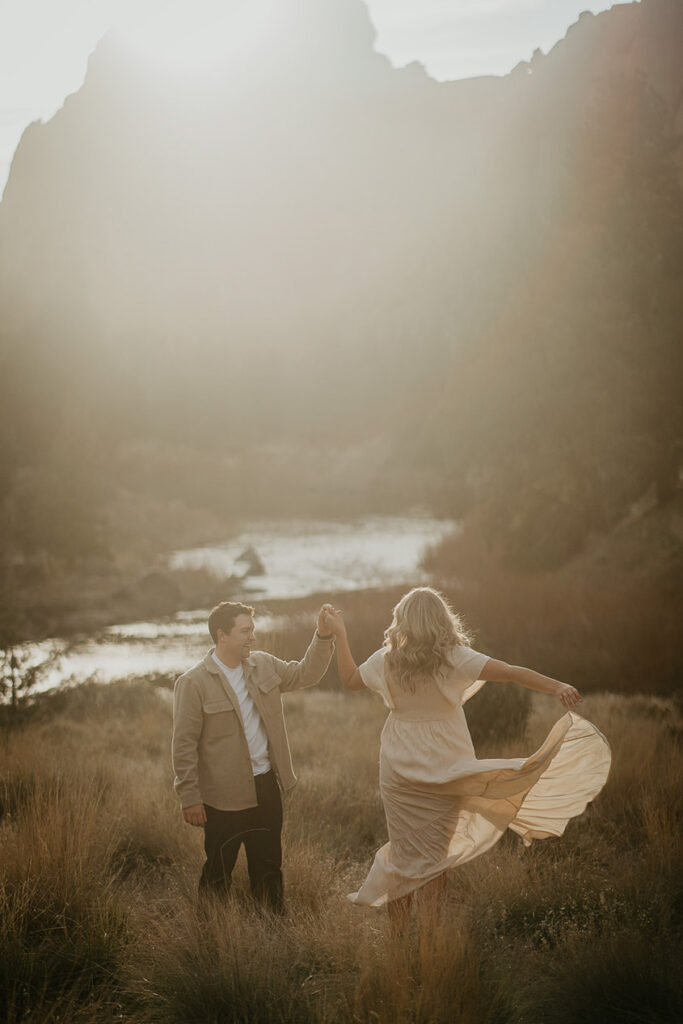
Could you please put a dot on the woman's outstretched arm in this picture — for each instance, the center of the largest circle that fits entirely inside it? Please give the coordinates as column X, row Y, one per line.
column 348, row 670
column 500, row 672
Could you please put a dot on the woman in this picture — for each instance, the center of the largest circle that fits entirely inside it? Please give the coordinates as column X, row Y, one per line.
column 443, row 805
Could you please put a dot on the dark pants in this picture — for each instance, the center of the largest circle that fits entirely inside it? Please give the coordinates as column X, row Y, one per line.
column 259, row 829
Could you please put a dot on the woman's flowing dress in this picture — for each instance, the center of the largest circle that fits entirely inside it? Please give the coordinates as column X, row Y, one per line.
column 443, row 805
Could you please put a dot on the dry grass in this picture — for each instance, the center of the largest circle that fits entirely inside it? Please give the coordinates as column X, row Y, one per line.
column 605, row 630
column 100, row 922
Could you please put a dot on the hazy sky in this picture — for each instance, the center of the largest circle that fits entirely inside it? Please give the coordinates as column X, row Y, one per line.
column 44, row 44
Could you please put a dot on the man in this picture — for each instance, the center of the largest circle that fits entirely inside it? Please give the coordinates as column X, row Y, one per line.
column 230, row 750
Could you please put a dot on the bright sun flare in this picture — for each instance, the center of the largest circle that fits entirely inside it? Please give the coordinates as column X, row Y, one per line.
column 178, row 35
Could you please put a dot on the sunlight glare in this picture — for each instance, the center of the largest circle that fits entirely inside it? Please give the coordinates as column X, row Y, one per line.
column 178, row 36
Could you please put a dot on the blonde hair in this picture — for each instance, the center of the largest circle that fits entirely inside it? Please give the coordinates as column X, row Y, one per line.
column 422, row 633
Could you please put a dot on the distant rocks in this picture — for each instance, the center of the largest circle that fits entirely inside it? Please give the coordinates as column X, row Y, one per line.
column 252, row 560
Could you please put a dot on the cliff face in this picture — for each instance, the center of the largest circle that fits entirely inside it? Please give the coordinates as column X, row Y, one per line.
column 323, row 180
column 159, row 222
column 308, row 217
column 639, row 38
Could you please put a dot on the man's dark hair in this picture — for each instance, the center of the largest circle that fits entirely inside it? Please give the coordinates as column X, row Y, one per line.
column 223, row 616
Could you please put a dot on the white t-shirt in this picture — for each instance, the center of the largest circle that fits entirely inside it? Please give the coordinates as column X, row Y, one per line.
column 254, row 729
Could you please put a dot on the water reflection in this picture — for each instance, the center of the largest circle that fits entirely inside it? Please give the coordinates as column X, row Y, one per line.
column 165, row 647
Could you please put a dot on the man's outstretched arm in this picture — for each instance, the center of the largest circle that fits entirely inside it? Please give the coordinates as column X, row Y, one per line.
column 296, row 675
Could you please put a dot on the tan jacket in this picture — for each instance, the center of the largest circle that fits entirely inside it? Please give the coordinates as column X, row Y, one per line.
column 210, row 754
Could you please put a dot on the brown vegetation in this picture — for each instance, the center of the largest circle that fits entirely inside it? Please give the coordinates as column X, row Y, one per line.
column 600, row 627
column 99, row 914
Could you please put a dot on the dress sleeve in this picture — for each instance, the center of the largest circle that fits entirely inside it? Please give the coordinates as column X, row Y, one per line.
column 372, row 674
column 468, row 664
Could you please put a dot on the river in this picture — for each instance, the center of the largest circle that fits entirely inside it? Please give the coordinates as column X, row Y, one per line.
column 298, row 559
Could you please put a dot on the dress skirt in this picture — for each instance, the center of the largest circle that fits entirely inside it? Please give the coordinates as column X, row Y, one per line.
column 444, row 806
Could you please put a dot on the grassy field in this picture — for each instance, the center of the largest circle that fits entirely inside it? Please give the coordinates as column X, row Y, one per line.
column 99, row 918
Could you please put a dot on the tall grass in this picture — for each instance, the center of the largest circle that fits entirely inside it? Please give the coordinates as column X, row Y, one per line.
column 600, row 630
column 100, row 920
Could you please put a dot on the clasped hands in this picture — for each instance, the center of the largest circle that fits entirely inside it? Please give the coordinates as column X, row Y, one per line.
column 330, row 621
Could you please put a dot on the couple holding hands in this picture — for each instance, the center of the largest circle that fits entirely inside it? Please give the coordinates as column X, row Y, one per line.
column 443, row 805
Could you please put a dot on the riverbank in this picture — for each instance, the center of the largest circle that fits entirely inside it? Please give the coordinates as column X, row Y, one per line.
column 259, row 562
column 83, row 601
column 594, row 639
column 100, row 920
column 609, row 621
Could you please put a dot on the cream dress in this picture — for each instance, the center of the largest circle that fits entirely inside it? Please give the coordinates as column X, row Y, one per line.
column 443, row 805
